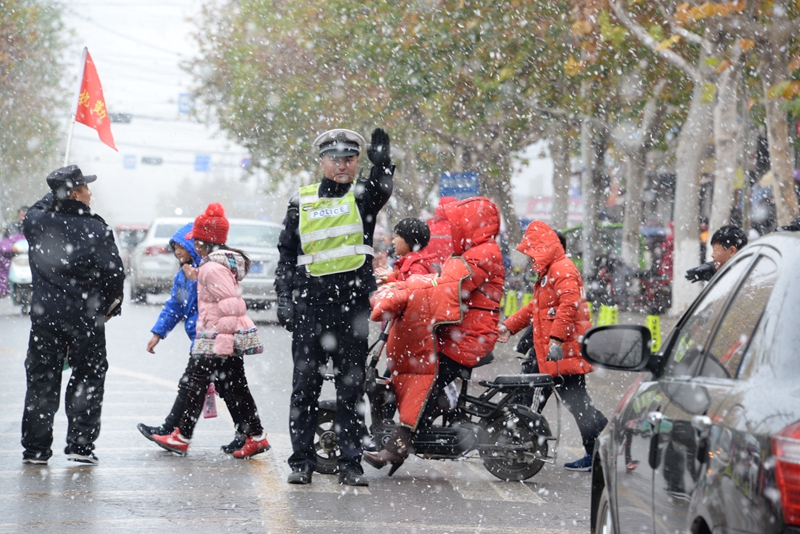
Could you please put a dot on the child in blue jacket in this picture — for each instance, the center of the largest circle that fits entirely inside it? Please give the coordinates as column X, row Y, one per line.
column 182, row 306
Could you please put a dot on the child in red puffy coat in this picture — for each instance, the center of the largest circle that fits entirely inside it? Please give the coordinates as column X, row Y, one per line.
column 411, row 236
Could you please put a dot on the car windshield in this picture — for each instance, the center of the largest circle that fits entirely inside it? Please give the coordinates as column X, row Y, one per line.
column 253, row 235
column 167, row 229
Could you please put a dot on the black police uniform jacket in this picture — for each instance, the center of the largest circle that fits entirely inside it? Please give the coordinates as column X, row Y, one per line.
column 371, row 195
column 76, row 267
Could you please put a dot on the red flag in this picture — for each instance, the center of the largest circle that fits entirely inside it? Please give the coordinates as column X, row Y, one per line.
column 91, row 107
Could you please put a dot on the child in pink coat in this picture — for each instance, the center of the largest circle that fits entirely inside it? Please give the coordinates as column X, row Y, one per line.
column 224, row 335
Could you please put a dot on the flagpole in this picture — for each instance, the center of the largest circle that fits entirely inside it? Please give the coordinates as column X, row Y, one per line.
column 75, row 104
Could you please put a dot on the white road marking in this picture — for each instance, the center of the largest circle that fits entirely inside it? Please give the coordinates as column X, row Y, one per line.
column 282, row 449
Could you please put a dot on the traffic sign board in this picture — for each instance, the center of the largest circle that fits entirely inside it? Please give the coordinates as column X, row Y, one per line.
column 202, row 163
column 459, row 185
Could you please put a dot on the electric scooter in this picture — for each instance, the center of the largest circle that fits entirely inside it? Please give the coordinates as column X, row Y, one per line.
column 513, row 441
column 20, row 279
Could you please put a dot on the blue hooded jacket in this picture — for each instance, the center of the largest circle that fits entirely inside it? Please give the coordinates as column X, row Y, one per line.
column 182, row 303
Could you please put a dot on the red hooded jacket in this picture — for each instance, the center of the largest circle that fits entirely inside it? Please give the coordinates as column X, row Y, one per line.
column 419, row 262
column 441, row 243
column 475, row 223
column 418, row 307
column 558, row 309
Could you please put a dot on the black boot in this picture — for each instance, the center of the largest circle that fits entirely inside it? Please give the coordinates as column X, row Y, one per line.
column 395, row 452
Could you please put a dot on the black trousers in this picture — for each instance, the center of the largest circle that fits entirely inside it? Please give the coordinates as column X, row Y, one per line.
column 184, row 391
column 48, row 348
column 437, row 403
column 337, row 332
column 575, row 397
column 228, row 374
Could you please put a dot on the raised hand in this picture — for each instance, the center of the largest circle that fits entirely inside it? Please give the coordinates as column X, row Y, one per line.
column 379, row 150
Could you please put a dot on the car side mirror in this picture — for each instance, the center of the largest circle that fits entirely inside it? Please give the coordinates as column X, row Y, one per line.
column 619, row 347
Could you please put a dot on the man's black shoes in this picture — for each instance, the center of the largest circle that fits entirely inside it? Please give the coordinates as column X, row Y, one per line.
column 300, row 475
column 352, row 475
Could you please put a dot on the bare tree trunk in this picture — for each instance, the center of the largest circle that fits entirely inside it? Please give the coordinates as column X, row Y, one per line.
column 634, row 193
column 636, row 146
column 593, row 147
column 498, row 188
column 691, row 146
column 773, row 69
column 562, row 170
column 726, row 129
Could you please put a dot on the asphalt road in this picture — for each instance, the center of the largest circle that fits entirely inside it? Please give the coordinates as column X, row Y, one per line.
column 137, row 487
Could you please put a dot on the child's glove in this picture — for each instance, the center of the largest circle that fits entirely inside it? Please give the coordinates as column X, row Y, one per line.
column 555, row 354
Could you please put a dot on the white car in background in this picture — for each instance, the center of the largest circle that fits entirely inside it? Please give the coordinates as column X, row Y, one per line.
column 259, row 240
column 153, row 265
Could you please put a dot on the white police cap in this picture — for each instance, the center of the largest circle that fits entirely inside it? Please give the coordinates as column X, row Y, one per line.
column 339, row 142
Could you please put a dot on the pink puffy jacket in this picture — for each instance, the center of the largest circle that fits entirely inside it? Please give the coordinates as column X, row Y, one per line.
column 223, row 327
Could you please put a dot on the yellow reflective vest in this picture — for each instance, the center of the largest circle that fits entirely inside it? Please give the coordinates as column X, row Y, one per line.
column 331, row 233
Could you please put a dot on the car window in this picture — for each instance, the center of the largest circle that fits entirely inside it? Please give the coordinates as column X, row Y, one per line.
column 253, row 235
column 740, row 321
column 167, row 229
column 686, row 353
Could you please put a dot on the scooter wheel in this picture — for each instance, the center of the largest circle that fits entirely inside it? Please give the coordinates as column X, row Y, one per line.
column 325, row 444
column 504, row 437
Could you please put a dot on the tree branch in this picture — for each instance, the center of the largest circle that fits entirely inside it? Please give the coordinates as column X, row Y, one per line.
column 641, row 34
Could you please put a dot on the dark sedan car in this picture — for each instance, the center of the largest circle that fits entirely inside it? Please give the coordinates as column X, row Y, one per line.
column 707, row 440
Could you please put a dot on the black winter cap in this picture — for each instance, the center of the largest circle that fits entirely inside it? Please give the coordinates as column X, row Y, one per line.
column 67, row 178
column 415, row 233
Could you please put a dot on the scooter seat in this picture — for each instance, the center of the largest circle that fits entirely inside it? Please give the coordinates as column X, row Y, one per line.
column 531, row 380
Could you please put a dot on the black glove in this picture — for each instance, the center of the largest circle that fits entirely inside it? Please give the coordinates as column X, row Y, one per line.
column 379, row 151
column 702, row 272
column 286, row 312
column 555, row 354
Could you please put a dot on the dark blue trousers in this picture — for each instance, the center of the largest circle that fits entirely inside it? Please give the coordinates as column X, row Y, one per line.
column 48, row 348
column 336, row 332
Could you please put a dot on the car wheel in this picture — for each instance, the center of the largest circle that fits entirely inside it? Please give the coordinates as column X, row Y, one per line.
column 603, row 524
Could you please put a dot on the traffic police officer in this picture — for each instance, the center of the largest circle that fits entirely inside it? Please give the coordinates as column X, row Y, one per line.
column 323, row 281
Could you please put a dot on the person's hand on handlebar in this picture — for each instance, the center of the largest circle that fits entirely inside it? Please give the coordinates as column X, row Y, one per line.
column 503, row 334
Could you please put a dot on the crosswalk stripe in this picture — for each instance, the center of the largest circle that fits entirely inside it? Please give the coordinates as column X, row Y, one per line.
column 427, row 527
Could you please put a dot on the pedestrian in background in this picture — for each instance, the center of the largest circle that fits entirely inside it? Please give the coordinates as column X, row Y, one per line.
column 725, row 242
column 225, row 334
column 559, row 316
column 182, row 306
column 11, row 235
column 77, row 286
column 323, row 281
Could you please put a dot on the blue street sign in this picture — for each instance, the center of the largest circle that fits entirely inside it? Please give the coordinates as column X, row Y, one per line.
column 185, row 103
column 459, row 185
column 202, row 163
column 129, row 161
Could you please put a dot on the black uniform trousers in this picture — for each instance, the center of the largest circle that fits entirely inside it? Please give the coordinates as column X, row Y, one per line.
column 228, row 375
column 185, row 391
column 339, row 332
column 48, row 347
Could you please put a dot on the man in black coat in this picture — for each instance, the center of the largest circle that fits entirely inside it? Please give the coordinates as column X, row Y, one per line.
column 77, row 286
column 326, row 304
